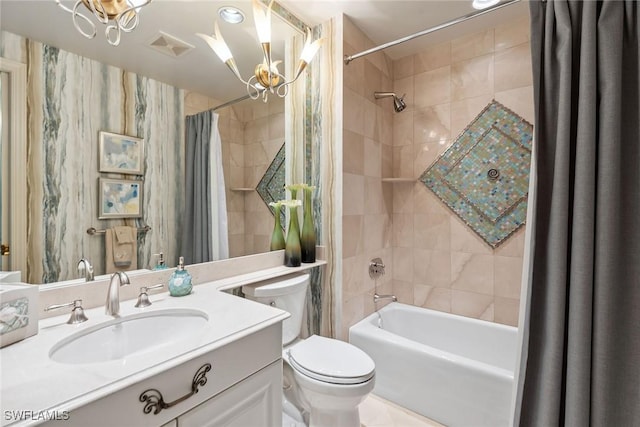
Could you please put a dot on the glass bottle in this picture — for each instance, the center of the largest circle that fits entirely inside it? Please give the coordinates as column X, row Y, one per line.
column 308, row 235
column 292, row 252
column 277, row 237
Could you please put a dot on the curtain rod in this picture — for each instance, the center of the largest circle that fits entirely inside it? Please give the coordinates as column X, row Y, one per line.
column 349, row 58
column 233, row 101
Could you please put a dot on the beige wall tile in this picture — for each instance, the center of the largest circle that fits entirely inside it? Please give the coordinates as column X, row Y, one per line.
column 470, row 304
column 372, row 80
column 403, row 67
column 374, row 197
column 426, row 202
column 402, row 200
column 352, row 152
column 425, row 155
column 463, row 112
column 432, row 267
column 463, row 239
column 472, row 272
column 403, row 162
column 352, row 278
column 520, row 101
column 353, row 194
column 432, row 297
column 432, row 231
column 514, row 245
column 432, row 124
column 353, row 112
column 516, row 32
column 372, row 158
column 507, row 311
column 377, row 232
column 352, row 235
column 403, row 264
column 386, row 160
column 513, row 68
column 370, row 119
column 403, row 291
column 471, row 78
column 403, row 129
column 436, row 56
column 508, row 276
column 432, row 87
column 353, row 75
column 403, row 230
column 472, row 45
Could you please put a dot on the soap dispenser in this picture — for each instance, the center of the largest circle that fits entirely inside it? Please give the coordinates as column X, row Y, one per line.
column 160, row 265
column 180, row 281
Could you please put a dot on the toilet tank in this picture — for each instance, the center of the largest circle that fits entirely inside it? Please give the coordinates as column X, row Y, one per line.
column 286, row 293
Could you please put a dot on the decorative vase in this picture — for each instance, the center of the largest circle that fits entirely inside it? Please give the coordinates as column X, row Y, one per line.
column 308, row 235
column 292, row 251
column 277, row 237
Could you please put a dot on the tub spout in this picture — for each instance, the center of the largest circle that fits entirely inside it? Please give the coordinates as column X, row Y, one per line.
column 377, row 298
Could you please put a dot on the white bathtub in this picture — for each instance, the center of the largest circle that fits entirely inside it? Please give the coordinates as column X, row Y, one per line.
column 453, row 369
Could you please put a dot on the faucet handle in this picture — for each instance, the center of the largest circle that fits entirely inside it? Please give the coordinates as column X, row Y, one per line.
column 143, row 298
column 77, row 313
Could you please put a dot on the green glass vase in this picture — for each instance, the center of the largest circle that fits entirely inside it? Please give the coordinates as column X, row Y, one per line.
column 308, row 235
column 292, row 251
column 277, row 237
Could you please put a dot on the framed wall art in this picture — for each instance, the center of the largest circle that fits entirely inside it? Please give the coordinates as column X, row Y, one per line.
column 119, row 198
column 121, row 154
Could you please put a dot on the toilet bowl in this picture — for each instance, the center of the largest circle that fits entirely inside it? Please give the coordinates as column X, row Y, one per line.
column 324, row 378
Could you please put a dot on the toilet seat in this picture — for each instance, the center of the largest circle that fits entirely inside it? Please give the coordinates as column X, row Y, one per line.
column 331, row 361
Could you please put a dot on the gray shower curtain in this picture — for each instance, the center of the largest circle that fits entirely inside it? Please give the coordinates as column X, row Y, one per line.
column 582, row 331
column 196, row 245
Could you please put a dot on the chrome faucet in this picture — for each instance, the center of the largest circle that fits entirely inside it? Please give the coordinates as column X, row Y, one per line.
column 377, row 297
column 85, row 269
column 119, row 278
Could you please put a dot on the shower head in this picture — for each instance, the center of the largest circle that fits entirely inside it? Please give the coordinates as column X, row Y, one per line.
column 398, row 102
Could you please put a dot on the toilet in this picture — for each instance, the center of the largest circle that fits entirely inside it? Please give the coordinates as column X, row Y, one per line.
column 324, row 379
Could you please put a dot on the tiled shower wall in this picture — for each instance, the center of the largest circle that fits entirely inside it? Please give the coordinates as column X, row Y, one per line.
column 438, row 262
column 433, row 259
column 252, row 132
column 367, row 157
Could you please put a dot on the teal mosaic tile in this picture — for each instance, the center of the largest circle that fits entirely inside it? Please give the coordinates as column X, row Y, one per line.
column 271, row 185
column 484, row 176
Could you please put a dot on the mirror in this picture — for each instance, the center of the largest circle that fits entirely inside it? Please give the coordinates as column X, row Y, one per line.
column 73, row 98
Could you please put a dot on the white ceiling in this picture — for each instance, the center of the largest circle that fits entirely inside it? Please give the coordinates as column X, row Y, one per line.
column 200, row 70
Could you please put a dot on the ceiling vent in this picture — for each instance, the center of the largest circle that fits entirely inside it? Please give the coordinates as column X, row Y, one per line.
column 170, row 45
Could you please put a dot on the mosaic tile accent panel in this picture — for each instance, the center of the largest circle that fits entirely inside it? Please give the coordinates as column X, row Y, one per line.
column 271, row 185
column 484, row 176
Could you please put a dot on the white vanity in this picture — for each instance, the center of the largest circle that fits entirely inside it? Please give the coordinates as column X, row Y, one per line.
column 222, row 366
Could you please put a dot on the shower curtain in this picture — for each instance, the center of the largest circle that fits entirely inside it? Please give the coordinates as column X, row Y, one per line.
column 205, row 222
column 581, row 351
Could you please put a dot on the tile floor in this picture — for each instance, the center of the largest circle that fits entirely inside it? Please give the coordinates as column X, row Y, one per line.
column 377, row 412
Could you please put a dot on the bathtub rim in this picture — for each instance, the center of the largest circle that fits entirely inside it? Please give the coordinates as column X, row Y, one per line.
column 366, row 326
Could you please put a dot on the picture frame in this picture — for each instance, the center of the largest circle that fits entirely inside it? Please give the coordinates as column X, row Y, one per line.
column 119, row 198
column 121, row 154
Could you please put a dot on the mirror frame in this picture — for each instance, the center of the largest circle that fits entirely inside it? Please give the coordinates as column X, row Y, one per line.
column 18, row 158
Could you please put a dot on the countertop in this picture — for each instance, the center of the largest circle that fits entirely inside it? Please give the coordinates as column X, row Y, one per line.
column 31, row 381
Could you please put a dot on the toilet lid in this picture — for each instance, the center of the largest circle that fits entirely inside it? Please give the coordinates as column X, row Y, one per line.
column 331, row 361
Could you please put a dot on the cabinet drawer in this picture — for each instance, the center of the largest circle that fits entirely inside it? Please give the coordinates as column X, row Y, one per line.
column 255, row 401
column 229, row 365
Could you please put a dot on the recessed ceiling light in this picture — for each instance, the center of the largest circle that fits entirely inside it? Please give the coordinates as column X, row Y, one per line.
column 483, row 4
column 231, row 14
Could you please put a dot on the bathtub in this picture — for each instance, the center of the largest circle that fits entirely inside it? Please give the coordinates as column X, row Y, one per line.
column 453, row 369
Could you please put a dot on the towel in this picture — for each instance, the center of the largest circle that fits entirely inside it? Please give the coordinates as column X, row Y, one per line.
column 121, row 249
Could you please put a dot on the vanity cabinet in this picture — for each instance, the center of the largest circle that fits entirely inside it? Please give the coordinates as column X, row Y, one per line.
column 237, row 384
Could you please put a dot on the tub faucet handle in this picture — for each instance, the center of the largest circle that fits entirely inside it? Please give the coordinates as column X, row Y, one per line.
column 376, row 268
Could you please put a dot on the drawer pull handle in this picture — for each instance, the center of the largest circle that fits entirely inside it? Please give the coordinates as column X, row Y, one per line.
column 154, row 401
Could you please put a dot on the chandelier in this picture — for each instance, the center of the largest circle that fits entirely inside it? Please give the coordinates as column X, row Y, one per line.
column 266, row 78
column 118, row 15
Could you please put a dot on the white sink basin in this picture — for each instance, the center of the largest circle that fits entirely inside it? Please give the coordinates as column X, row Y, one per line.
column 122, row 337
